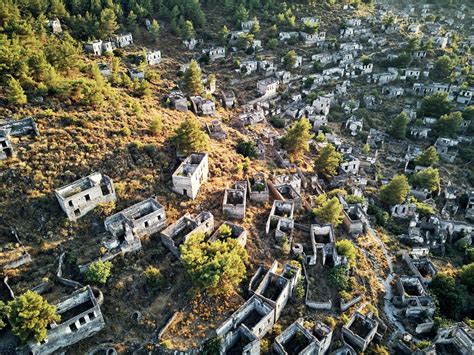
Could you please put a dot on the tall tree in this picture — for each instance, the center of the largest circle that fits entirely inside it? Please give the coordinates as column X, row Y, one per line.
column 428, row 157
column 398, row 128
column 448, row 125
column 188, row 30
column 30, row 315
column 107, row 23
column 427, row 179
column 155, row 30
column 216, row 267
column 189, row 137
column 296, row 139
column 395, row 191
column 193, row 79
column 328, row 161
column 449, row 296
column 442, row 68
column 435, row 105
column 330, row 211
column 290, row 60
column 15, row 93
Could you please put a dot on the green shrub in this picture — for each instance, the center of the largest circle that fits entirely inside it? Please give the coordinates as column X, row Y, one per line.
column 98, row 272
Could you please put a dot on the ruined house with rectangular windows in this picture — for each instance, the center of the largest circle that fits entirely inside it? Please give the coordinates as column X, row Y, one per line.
column 82, row 196
column 191, row 174
column 81, row 317
column 178, row 233
column 235, row 200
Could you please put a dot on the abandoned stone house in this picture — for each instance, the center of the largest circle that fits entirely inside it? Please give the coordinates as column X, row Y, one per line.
column 153, row 57
column 83, row 195
column 404, row 211
column 464, row 97
column 267, row 67
column 420, row 132
column 354, row 125
column 455, row 339
column 268, row 87
column 288, row 193
column 276, row 285
column 178, row 233
column 104, row 69
column 247, row 26
column 235, row 200
column 447, row 149
column 323, row 247
column 393, row 91
column 228, row 99
column 94, row 47
column 191, row 174
column 238, row 233
column 355, row 220
column 322, row 105
column 418, row 306
column 136, row 74
column 215, row 130
column 360, row 330
column 81, row 317
column 128, row 226
column 177, row 99
column 285, row 36
column 123, row 40
column 350, row 164
column 312, row 38
column 202, row 106
column 251, row 115
column 257, row 188
column 248, row 67
column 421, row 266
column 280, row 221
column 297, row 339
column 14, row 128
column 214, row 53
column 255, row 316
column 54, row 25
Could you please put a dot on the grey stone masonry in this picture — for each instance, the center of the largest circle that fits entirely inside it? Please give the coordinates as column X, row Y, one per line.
column 191, row 174
column 258, row 188
column 82, row 196
column 81, row 317
column 177, row 233
column 235, row 200
column 144, row 218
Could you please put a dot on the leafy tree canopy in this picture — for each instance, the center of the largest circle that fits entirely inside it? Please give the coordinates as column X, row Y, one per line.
column 216, row 267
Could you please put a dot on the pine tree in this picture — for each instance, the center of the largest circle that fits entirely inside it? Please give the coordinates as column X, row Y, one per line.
column 107, row 23
column 193, row 79
column 223, row 33
column 216, row 267
column 189, row 137
column 187, row 31
column 155, row 30
column 428, row 157
column 448, row 125
column 15, row 93
column 296, row 139
column 330, row 211
column 427, row 179
column 241, row 14
column 30, row 315
column 328, row 161
column 399, row 126
column 290, row 60
column 395, row 191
